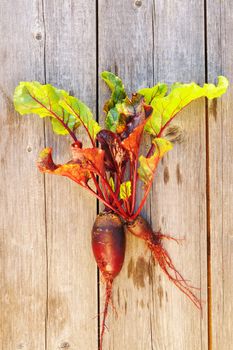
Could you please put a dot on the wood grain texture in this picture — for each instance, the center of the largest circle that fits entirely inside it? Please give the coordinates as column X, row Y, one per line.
column 145, row 44
column 70, row 56
column 178, row 201
column 22, row 218
column 125, row 47
column 48, row 277
column 220, row 56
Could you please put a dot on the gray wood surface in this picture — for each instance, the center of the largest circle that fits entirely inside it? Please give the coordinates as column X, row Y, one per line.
column 70, row 58
column 22, row 207
column 220, row 58
column 50, row 294
column 178, row 202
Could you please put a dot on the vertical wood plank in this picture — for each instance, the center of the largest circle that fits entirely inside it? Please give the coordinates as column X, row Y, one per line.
column 22, row 218
column 220, row 56
column 125, row 48
column 178, row 203
column 72, row 276
column 145, row 42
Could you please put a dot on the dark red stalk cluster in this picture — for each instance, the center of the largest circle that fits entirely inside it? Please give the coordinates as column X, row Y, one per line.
column 109, row 197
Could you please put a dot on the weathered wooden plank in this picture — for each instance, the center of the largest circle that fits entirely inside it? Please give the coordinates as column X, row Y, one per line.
column 145, row 42
column 179, row 197
column 72, row 276
column 125, row 47
column 22, row 218
column 220, row 56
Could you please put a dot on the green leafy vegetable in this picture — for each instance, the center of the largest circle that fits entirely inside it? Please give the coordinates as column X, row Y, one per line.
column 117, row 88
column 162, row 146
column 165, row 108
column 127, row 115
column 149, row 94
column 33, row 97
column 112, row 120
column 82, row 113
column 114, row 168
column 147, row 166
column 67, row 113
column 116, row 163
column 125, row 190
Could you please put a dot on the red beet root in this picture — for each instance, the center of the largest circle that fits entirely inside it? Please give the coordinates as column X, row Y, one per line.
column 108, row 244
column 141, row 228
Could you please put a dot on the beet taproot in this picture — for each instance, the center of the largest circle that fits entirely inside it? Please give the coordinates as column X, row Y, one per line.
column 108, row 245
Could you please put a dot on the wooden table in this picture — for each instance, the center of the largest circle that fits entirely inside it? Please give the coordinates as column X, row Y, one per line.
column 50, row 290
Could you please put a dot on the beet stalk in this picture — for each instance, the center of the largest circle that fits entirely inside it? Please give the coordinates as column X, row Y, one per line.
column 141, row 229
column 108, row 244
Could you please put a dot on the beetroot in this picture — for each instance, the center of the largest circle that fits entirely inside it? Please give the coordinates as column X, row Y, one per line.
column 112, row 167
column 108, row 244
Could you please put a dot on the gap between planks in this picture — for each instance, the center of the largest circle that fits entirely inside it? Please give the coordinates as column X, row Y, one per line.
column 208, row 225
column 97, row 201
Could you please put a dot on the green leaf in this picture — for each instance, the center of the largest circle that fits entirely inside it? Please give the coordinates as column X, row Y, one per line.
column 59, row 129
column 82, row 113
column 125, row 190
column 162, row 146
column 126, row 116
column 33, row 97
column 112, row 184
column 149, row 94
column 147, row 166
column 112, row 120
column 165, row 108
column 116, row 86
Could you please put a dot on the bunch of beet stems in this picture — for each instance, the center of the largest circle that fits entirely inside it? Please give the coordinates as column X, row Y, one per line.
column 108, row 233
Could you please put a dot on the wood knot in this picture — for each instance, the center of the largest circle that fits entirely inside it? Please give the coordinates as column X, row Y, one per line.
column 64, row 345
column 213, row 108
column 138, row 3
column 178, row 174
column 166, row 175
column 175, row 133
column 29, row 149
column 38, row 36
